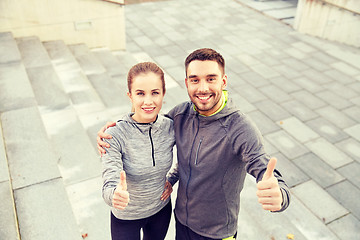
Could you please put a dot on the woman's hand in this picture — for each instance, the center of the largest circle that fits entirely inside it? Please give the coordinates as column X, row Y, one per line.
column 167, row 191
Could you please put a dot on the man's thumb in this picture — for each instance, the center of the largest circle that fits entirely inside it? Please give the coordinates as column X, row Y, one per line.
column 270, row 169
column 122, row 182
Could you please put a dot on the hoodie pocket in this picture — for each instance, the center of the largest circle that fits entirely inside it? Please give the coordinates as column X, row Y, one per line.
column 197, row 151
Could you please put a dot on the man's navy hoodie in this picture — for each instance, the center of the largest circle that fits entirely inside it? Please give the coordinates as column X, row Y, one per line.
column 214, row 153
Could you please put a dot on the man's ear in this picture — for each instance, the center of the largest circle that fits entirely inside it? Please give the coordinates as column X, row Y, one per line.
column 186, row 82
column 224, row 81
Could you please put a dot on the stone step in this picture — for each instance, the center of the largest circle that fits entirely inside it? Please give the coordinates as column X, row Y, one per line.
column 110, row 62
column 8, row 218
column 83, row 97
column 8, row 48
column 47, row 87
column 16, row 91
column 78, row 159
column 39, row 191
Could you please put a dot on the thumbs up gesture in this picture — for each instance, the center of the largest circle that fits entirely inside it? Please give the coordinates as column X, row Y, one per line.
column 269, row 194
column 121, row 195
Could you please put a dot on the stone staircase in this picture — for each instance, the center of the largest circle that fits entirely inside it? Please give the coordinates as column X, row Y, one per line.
column 53, row 100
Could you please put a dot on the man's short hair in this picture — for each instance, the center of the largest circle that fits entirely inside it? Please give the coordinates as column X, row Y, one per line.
column 205, row 54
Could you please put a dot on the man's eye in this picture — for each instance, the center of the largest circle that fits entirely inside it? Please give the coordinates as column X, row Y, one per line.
column 194, row 80
column 211, row 79
column 140, row 93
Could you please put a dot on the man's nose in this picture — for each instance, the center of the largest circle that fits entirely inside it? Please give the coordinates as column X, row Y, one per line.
column 204, row 87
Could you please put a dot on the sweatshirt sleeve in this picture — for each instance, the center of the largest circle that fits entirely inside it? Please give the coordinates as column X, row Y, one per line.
column 248, row 144
column 173, row 175
column 112, row 166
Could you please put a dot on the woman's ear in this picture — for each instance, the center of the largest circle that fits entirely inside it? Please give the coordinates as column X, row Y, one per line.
column 129, row 95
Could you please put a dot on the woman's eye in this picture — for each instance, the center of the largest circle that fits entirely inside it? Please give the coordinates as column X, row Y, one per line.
column 156, row 93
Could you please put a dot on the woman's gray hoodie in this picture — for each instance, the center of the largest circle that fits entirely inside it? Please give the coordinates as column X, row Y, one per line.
column 145, row 153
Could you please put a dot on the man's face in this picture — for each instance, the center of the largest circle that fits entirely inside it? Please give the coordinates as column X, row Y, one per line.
column 205, row 82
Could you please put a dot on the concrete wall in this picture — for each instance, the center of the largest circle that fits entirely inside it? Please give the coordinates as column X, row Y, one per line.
column 93, row 22
column 337, row 20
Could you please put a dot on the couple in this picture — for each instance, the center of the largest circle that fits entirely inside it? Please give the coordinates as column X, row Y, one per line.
column 216, row 146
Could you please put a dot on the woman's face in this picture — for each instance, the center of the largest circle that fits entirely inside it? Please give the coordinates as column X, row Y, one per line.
column 146, row 96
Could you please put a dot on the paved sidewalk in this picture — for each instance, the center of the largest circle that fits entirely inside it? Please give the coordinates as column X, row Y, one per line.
column 303, row 93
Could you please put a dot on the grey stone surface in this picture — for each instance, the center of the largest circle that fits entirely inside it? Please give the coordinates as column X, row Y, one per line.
column 264, row 124
column 353, row 112
column 40, row 207
column 47, row 87
column 8, row 48
column 319, row 201
column 290, row 172
column 351, row 172
column 346, row 228
column 250, row 93
column 328, row 152
column 286, row 144
column 354, row 131
column 308, row 85
column 308, row 99
column 274, row 93
column 78, row 160
column 327, row 130
column 12, row 97
column 334, row 100
column 31, row 157
column 4, row 169
column 298, row 129
column 299, row 110
column 351, row 147
column 110, row 62
column 86, row 59
column 33, row 52
column 7, row 213
column 319, row 171
column 285, row 84
column 347, row 195
column 272, row 110
column 336, row 117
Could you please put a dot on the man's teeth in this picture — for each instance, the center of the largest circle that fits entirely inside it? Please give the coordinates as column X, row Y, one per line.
column 203, row 98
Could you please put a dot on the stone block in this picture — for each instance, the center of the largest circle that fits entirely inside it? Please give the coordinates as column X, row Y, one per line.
column 322, row 204
column 44, row 211
column 250, row 93
column 30, row 155
column 354, row 131
column 353, row 112
column 345, row 68
column 351, row 172
column 91, row 212
column 285, row 84
column 318, row 170
column 347, row 195
column 272, row 110
column 308, row 99
column 328, row 152
column 286, row 144
column 334, row 100
column 308, row 85
column 298, row 129
column 287, row 72
column 4, row 169
column 47, row 87
column 290, row 172
column 66, row 132
column 8, row 219
column 12, row 96
column 276, row 94
column 327, row 130
column 264, row 124
column 346, row 227
column 336, row 117
column 86, row 59
column 33, row 52
column 8, row 48
column 351, row 147
column 265, row 71
column 109, row 61
column 299, row 110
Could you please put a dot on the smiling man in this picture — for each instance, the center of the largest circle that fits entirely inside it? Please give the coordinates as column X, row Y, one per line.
column 216, row 146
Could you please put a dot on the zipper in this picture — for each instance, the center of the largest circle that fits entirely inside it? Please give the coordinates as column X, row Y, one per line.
column 152, row 148
column 197, row 151
column 187, row 185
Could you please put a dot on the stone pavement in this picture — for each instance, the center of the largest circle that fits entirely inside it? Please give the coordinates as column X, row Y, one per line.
column 302, row 92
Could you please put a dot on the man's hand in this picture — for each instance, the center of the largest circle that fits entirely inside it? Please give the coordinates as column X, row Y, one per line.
column 121, row 195
column 101, row 134
column 268, row 192
column 167, row 191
